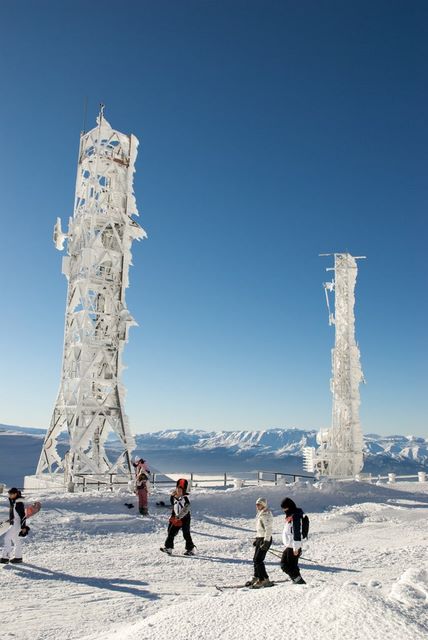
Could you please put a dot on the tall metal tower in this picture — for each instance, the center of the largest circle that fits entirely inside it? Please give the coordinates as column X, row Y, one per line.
column 340, row 452
column 90, row 403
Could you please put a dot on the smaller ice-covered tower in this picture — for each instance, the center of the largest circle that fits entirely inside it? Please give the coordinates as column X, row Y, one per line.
column 90, row 403
column 340, row 452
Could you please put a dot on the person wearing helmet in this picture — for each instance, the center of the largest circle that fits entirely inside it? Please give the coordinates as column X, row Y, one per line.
column 262, row 542
column 18, row 529
column 142, row 475
column 180, row 519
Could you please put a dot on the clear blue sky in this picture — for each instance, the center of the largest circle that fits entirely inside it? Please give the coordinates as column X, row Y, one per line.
column 270, row 132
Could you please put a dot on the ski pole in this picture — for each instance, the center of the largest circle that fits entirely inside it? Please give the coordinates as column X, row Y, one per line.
column 279, row 555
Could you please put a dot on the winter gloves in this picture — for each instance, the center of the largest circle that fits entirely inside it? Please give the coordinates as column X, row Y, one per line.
column 262, row 544
column 176, row 522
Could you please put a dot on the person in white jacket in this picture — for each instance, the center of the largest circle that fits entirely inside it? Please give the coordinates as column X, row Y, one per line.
column 14, row 536
column 292, row 539
column 262, row 542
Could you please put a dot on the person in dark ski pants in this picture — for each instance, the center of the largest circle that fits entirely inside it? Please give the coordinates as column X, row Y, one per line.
column 180, row 519
column 13, row 538
column 262, row 542
column 292, row 539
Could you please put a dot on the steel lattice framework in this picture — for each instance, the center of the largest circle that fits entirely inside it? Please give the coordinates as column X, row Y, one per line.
column 340, row 453
column 90, row 402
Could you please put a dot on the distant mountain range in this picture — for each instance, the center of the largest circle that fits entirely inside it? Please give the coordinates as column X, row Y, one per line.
column 200, row 451
column 279, row 448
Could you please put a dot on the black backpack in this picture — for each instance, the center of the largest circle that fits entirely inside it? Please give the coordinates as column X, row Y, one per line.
column 305, row 527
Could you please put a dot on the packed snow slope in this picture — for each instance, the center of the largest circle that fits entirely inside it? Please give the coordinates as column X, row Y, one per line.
column 93, row 569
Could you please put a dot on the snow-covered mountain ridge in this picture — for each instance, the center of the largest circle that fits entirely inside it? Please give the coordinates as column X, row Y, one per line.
column 275, row 449
column 279, row 443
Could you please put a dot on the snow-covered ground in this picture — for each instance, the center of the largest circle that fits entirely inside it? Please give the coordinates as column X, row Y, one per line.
column 93, row 569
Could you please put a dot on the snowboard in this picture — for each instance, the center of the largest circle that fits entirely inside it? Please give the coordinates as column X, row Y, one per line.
column 30, row 510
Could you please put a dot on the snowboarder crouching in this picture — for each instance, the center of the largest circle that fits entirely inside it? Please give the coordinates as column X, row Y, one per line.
column 142, row 475
column 262, row 542
column 292, row 539
column 13, row 538
column 180, row 519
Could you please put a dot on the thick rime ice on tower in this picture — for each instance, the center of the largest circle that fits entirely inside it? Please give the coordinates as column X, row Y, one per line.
column 340, row 453
column 90, row 403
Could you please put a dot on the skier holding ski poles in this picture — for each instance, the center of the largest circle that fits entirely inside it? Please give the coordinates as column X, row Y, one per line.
column 292, row 539
column 180, row 519
column 262, row 542
column 13, row 538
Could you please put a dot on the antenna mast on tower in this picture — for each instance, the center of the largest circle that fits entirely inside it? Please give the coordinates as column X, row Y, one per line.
column 340, row 452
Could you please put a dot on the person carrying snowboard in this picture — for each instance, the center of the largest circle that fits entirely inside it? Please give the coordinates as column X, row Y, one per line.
column 262, row 542
column 292, row 539
column 142, row 475
column 180, row 519
column 13, row 538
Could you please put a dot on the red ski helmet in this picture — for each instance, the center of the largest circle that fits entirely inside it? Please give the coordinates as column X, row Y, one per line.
column 182, row 483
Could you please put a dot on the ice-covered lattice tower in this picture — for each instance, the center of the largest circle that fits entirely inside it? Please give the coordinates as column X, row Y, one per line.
column 340, row 452
column 90, row 403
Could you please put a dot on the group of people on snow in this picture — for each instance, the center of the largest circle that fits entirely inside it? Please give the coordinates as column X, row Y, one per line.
column 180, row 519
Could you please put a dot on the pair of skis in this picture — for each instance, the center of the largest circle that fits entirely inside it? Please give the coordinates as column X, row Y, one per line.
column 275, row 553
column 222, row 587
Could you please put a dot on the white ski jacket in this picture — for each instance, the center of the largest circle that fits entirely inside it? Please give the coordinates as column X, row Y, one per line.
column 264, row 524
column 292, row 532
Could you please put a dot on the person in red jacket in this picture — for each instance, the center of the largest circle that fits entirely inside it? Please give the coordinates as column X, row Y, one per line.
column 180, row 519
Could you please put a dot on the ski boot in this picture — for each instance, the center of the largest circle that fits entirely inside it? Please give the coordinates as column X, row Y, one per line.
column 298, row 580
column 16, row 561
column 144, row 511
column 261, row 584
column 189, row 552
column 250, row 583
column 165, row 550
column 4, row 560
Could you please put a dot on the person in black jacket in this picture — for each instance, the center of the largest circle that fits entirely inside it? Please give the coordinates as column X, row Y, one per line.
column 13, row 537
column 180, row 519
column 292, row 539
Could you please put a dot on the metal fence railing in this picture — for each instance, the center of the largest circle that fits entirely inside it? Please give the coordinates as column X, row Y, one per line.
column 87, row 482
